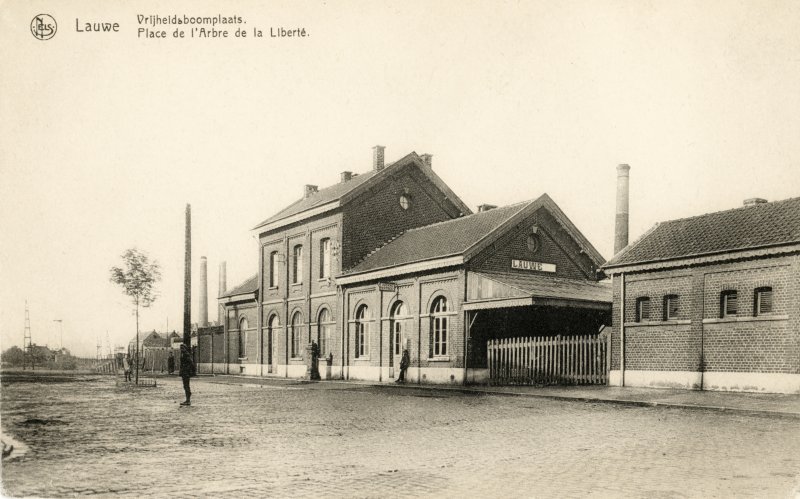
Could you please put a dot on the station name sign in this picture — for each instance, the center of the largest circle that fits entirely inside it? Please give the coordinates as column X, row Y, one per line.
column 527, row 265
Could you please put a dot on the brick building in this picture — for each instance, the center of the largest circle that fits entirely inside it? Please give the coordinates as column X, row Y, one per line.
column 711, row 302
column 393, row 258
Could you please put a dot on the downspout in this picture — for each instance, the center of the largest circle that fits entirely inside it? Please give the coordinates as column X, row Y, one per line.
column 622, row 331
column 467, row 326
column 380, row 333
column 260, row 311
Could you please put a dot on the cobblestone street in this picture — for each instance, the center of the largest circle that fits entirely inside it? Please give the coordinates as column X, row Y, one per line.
column 88, row 436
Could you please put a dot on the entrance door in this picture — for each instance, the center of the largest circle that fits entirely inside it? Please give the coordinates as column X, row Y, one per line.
column 396, row 335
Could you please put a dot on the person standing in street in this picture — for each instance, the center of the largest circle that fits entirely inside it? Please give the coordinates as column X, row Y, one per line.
column 404, row 362
column 126, row 366
column 171, row 363
column 187, row 370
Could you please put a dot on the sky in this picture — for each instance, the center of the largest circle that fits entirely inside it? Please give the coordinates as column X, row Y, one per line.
column 105, row 137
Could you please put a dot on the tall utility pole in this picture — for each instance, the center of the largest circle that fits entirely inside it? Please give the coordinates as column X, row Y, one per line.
column 187, row 281
column 61, row 328
column 26, row 341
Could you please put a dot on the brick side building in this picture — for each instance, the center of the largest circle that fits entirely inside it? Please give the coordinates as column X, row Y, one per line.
column 711, row 302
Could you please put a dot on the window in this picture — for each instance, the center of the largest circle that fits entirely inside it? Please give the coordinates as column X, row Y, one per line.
column 324, row 326
column 533, row 243
column 362, row 331
column 670, row 307
column 398, row 313
column 325, row 258
column 273, row 275
column 405, row 201
column 297, row 264
column 242, row 337
column 439, row 327
column 272, row 325
column 762, row 302
column 295, row 331
column 642, row 309
column 727, row 304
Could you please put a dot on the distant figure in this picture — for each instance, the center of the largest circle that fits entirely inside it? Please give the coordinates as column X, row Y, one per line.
column 187, row 370
column 404, row 362
column 126, row 366
column 315, row 361
column 171, row 363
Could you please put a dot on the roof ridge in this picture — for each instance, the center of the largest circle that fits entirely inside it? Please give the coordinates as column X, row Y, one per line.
column 747, row 207
column 470, row 215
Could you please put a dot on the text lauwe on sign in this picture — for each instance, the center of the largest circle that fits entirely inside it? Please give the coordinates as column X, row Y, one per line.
column 528, row 265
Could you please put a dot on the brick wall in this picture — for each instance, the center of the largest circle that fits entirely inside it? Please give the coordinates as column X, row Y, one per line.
column 376, row 216
column 417, row 293
column 556, row 246
column 700, row 338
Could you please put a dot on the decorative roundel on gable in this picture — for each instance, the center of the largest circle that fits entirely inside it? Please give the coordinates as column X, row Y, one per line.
column 405, row 201
column 533, row 242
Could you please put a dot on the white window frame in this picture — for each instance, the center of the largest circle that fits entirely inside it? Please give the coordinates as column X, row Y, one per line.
column 325, row 258
column 295, row 328
column 362, row 332
column 297, row 264
column 440, row 322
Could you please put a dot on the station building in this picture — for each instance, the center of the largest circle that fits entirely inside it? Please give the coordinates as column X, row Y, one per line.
column 711, row 302
column 392, row 259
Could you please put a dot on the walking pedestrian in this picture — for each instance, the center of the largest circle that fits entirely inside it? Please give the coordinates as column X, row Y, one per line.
column 404, row 362
column 126, row 366
column 187, row 370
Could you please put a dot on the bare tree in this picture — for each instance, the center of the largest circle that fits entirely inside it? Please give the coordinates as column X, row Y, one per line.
column 138, row 280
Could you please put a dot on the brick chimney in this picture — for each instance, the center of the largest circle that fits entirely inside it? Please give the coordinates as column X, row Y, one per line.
column 621, row 226
column 346, row 176
column 223, row 287
column 428, row 159
column 754, row 201
column 309, row 189
column 377, row 157
column 486, row 207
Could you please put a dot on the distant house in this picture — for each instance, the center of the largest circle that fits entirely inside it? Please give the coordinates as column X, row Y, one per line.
column 711, row 302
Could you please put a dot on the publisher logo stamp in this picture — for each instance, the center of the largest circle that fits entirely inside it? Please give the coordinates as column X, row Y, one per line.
column 43, row 27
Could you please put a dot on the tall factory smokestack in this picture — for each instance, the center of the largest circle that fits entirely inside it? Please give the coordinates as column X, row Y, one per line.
column 223, row 287
column 202, row 308
column 187, row 280
column 621, row 227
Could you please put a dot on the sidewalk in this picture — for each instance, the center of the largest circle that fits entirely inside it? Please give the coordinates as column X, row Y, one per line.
column 750, row 403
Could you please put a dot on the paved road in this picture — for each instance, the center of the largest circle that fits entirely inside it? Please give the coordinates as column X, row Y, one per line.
column 90, row 437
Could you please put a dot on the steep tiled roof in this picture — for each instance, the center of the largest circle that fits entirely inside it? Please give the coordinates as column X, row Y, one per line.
column 748, row 227
column 248, row 286
column 438, row 240
column 344, row 191
column 554, row 287
column 323, row 196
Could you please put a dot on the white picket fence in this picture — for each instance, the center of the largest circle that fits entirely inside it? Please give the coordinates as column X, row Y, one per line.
column 574, row 360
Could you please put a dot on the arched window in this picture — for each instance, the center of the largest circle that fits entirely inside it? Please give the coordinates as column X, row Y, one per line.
column 324, row 328
column 272, row 324
column 399, row 312
column 325, row 258
column 297, row 264
column 242, row 337
column 362, row 331
column 296, row 331
column 439, row 320
column 273, row 272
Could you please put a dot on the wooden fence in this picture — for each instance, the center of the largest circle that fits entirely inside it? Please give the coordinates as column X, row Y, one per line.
column 573, row 360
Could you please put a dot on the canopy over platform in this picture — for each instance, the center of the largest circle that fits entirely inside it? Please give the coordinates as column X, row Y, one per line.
column 487, row 290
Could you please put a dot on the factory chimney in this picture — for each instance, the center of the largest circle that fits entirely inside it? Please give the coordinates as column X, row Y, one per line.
column 202, row 307
column 621, row 226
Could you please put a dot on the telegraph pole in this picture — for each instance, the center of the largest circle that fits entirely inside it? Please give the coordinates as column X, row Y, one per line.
column 187, row 281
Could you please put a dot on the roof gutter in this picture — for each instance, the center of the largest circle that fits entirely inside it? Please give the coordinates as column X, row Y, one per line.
column 408, row 268
column 701, row 258
column 297, row 217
